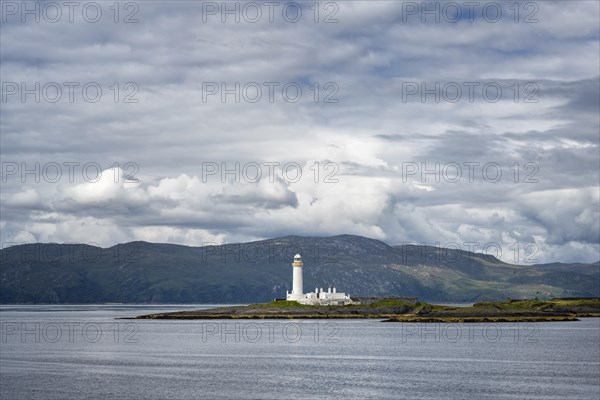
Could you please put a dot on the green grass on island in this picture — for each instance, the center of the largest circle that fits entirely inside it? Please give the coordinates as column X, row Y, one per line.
column 280, row 304
column 378, row 304
column 399, row 310
column 536, row 304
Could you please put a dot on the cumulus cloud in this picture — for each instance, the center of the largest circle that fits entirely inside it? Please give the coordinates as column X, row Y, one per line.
column 28, row 199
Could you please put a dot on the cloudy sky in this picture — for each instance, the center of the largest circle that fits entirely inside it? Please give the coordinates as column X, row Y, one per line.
column 377, row 118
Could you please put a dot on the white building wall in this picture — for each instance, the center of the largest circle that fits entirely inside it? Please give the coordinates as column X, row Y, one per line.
column 297, row 285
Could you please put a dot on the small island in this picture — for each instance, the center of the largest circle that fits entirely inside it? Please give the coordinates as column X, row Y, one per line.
column 393, row 309
column 330, row 304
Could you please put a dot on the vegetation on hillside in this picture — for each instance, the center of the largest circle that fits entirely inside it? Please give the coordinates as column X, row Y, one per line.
column 141, row 272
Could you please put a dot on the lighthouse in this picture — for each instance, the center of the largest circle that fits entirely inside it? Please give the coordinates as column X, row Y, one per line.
column 297, row 286
column 318, row 297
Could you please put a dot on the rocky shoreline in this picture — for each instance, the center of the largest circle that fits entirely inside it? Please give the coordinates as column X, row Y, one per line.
column 391, row 310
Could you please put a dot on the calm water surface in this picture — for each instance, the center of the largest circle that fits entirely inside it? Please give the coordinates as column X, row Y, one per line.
column 83, row 352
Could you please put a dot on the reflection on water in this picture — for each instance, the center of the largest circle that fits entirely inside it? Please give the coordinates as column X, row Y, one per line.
column 74, row 352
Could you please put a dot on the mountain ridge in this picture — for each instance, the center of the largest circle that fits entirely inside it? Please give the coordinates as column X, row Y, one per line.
column 258, row 271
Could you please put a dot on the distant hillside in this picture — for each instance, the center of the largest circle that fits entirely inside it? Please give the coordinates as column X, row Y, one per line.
column 141, row 272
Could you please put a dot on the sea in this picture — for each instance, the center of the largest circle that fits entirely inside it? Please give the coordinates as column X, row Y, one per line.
column 89, row 352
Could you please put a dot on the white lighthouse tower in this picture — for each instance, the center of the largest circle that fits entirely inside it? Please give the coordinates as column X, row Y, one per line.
column 297, row 286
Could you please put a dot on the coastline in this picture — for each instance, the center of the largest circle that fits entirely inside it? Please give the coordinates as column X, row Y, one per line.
column 390, row 310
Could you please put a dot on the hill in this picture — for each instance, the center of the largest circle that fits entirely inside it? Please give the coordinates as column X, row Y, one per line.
column 142, row 272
